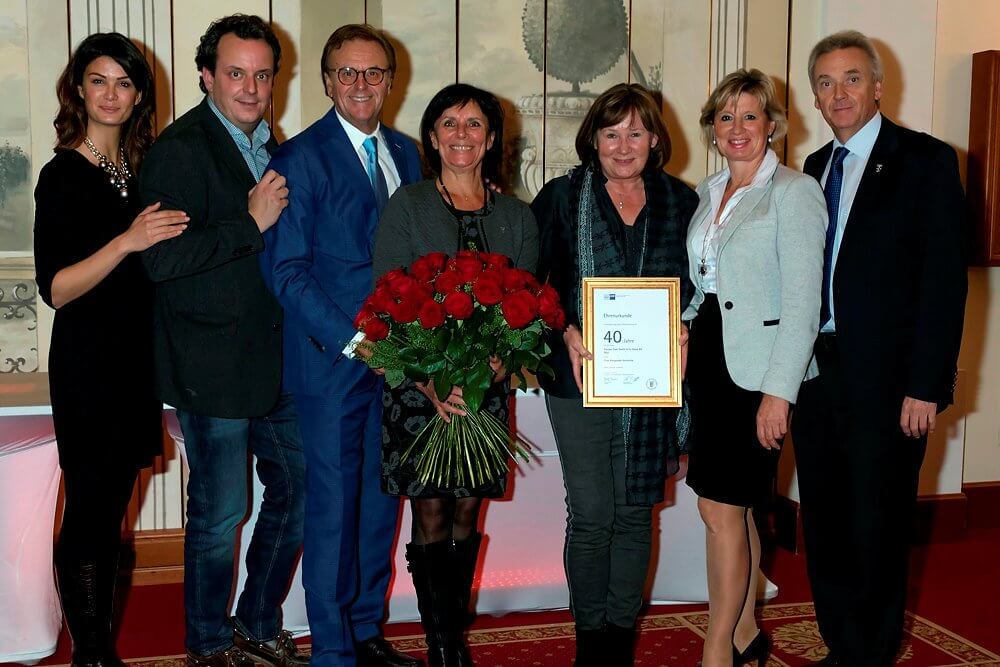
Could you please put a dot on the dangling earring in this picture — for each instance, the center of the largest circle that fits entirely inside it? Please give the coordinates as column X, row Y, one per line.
column 713, row 141
column 769, row 138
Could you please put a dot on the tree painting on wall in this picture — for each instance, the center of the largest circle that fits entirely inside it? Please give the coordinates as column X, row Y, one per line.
column 573, row 45
column 15, row 181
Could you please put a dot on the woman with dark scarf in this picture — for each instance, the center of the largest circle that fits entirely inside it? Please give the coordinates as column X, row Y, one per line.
column 617, row 214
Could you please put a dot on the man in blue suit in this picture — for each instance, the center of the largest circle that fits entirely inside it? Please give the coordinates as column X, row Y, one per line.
column 318, row 261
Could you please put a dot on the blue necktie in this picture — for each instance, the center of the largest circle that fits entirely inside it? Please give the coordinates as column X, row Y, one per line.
column 832, row 191
column 376, row 175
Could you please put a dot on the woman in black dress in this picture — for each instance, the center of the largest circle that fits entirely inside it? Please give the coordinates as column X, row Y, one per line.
column 87, row 233
column 462, row 134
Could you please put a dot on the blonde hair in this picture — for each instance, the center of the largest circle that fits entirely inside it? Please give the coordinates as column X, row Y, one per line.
column 752, row 82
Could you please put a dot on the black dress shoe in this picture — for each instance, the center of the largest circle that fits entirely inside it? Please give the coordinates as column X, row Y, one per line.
column 377, row 652
column 283, row 654
column 756, row 651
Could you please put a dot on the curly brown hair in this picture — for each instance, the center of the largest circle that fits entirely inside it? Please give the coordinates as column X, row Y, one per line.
column 71, row 121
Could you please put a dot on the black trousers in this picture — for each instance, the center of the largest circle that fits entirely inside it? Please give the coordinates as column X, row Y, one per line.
column 858, row 476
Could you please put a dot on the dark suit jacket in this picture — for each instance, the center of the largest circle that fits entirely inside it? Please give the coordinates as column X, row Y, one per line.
column 900, row 281
column 318, row 259
column 217, row 328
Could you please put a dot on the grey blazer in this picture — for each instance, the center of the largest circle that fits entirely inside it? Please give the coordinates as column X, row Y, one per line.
column 769, row 278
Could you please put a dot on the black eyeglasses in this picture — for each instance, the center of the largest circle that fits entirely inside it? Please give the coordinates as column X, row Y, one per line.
column 348, row 75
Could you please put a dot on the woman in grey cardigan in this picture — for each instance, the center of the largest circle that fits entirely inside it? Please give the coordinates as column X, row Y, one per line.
column 755, row 248
column 462, row 135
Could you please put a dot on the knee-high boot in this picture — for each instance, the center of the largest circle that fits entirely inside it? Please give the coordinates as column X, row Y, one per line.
column 466, row 557
column 86, row 588
column 432, row 567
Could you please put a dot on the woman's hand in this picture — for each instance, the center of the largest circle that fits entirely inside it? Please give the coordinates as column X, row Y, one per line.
column 450, row 406
column 684, row 349
column 152, row 226
column 577, row 353
column 772, row 421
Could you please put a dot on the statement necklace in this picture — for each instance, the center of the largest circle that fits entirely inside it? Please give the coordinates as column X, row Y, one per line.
column 119, row 174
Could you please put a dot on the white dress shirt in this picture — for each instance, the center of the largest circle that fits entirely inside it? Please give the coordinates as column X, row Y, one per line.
column 357, row 138
column 710, row 233
column 859, row 148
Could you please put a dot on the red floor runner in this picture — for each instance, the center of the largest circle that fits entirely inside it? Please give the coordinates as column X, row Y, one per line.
column 954, row 619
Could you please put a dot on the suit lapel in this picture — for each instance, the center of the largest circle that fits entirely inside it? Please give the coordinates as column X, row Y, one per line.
column 343, row 154
column 816, row 163
column 742, row 212
column 870, row 186
column 224, row 147
column 398, row 155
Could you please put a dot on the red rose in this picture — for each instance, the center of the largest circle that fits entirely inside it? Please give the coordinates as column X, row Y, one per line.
column 468, row 267
column 401, row 285
column 487, row 290
column 437, row 260
column 514, row 279
column 363, row 316
column 423, row 270
column 495, row 260
column 533, row 283
column 431, row 314
column 459, row 305
column 448, row 281
column 376, row 329
column 474, row 254
column 405, row 311
column 379, row 300
column 519, row 308
column 554, row 319
column 389, row 277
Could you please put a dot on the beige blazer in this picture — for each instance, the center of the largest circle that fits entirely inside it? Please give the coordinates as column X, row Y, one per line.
column 769, row 278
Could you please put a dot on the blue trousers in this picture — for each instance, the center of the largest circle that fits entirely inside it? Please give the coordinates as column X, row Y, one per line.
column 218, row 490
column 350, row 524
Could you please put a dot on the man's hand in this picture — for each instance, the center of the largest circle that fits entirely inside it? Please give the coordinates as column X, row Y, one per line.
column 577, row 353
column 772, row 421
column 363, row 350
column 918, row 418
column 267, row 199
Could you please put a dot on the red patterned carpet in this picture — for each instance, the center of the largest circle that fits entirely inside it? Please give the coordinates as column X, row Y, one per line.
column 953, row 620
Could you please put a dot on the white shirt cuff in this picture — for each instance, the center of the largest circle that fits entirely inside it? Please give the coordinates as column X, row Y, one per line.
column 348, row 350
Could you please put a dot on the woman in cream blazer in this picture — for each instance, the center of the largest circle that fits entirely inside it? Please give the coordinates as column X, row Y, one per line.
column 755, row 248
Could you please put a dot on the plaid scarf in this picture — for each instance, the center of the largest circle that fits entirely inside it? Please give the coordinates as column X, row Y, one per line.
column 652, row 439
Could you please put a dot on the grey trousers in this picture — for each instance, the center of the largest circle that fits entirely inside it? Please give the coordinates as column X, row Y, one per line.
column 607, row 542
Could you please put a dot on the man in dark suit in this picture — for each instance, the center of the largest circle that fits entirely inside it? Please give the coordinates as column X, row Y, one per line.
column 893, row 304
column 218, row 348
column 340, row 171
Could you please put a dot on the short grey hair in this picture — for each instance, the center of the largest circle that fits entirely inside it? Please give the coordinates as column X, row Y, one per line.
column 845, row 39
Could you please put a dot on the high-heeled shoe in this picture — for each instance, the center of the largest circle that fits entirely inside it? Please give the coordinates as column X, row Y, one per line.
column 758, row 649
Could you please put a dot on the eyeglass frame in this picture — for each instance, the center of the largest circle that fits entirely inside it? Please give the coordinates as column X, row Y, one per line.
column 358, row 72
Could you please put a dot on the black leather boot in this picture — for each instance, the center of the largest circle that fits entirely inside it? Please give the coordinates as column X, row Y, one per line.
column 87, row 593
column 591, row 648
column 466, row 558
column 621, row 646
column 432, row 567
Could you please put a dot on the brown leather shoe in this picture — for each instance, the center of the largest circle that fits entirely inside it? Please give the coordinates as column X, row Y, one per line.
column 377, row 652
column 284, row 654
column 231, row 657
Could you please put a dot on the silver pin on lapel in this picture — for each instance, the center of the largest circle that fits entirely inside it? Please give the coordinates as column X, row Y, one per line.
column 878, row 167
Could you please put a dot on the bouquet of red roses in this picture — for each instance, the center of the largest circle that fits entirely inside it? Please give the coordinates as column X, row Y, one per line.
column 443, row 320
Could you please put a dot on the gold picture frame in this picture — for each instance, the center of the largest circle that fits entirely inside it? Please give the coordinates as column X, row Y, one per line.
column 656, row 384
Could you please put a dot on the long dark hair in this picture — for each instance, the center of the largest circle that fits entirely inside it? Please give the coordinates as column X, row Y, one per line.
column 71, row 121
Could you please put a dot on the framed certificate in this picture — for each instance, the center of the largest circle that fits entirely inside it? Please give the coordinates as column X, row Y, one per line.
column 632, row 327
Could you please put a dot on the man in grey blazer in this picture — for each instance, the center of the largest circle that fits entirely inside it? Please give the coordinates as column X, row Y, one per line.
column 891, row 325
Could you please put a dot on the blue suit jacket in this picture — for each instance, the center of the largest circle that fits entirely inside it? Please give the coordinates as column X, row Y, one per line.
column 317, row 259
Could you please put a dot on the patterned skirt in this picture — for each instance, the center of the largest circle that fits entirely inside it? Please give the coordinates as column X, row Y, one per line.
column 405, row 412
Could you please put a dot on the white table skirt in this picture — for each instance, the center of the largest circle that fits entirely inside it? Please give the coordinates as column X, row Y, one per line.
column 30, row 616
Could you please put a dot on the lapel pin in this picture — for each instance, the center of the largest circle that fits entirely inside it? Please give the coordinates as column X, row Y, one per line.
column 878, row 167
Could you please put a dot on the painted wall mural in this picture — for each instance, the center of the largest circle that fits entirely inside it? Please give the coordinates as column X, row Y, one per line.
column 15, row 138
